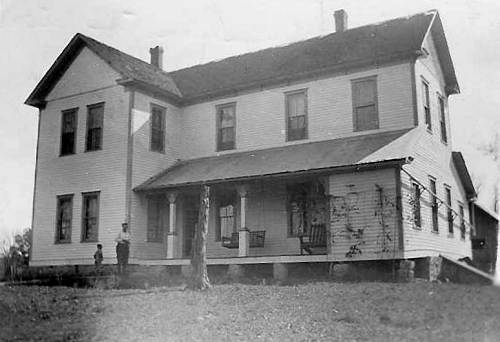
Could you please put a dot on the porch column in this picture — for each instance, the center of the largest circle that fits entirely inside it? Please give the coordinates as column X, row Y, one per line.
column 244, row 236
column 172, row 222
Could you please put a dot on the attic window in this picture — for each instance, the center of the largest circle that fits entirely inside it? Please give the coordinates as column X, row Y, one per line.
column 427, row 105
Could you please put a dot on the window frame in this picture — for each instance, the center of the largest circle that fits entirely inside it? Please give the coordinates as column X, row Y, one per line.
column 219, row 145
column 288, row 95
column 449, row 211
column 58, row 239
column 75, row 132
column 159, row 233
column 426, row 101
column 355, row 105
column 89, row 108
column 434, row 205
column 442, row 119
column 417, row 205
column 84, row 218
column 224, row 200
column 162, row 129
column 461, row 214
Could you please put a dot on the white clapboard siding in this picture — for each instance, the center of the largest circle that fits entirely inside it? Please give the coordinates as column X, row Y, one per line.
column 87, row 81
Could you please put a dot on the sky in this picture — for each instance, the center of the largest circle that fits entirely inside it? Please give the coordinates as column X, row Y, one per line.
column 33, row 33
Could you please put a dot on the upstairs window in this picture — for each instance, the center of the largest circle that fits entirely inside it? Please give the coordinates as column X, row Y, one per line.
column 434, row 206
column 365, row 106
column 64, row 218
column 94, row 127
column 427, row 105
column 442, row 119
column 226, row 123
column 90, row 216
column 462, row 220
column 68, row 131
column 157, row 128
column 449, row 211
column 155, row 218
column 417, row 217
column 296, row 115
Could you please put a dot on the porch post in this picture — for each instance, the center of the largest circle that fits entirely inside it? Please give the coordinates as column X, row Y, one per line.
column 172, row 221
column 244, row 235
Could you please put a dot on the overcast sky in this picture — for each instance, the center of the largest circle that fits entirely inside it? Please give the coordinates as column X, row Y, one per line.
column 33, row 33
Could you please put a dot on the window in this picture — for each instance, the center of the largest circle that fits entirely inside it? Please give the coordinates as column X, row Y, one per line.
column 449, row 211
column 90, row 216
column 296, row 115
column 427, row 105
column 68, row 131
column 417, row 217
column 226, row 215
column 157, row 128
column 155, row 218
column 365, row 107
column 226, row 123
column 462, row 220
column 442, row 119
column 434, row 206
column 64, row 217
column 94, row 127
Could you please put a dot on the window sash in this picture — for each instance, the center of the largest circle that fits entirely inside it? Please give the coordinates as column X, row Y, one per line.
column 157, row 129
column 226, row 122
column 449, row 211
column 427, row 107
column 417, row 216
column 434, row 206
column 365, row 105
column 64, row 218
column 296, row 113
column 94, row 127
column 444, row 136
column 462, row 221
column 68, row 132
column 90, row 217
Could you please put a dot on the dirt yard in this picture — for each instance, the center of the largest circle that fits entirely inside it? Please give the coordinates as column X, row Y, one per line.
column 308, row 312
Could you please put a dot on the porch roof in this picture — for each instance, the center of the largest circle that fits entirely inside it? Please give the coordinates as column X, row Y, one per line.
column 286, row 160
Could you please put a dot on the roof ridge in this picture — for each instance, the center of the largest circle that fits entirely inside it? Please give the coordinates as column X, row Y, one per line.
column 288, row 44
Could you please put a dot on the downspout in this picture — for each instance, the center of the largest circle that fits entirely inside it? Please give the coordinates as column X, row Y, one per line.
column 130, row 157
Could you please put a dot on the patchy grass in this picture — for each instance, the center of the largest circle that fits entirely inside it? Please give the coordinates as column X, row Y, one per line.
column 306, row 312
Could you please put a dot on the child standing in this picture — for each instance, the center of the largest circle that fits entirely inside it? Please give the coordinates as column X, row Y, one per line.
column 98, row 259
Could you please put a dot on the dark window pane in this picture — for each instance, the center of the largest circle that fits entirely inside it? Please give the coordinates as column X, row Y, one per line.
column 68, row 132
column 155, row 222
column 64, row 216
column 364, row 97
column 444, row 137
column 434, row 206
column 226, row 135
column 90, row 217
column 296, row 111
column 427, row 108
column 157, row 129
column 94, row 127
column 416, row 205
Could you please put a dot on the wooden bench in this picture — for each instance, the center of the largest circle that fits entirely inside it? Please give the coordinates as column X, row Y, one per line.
column 316, row 237
column 256, row 237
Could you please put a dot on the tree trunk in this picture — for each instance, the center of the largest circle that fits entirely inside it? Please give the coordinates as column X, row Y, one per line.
column 199, row 278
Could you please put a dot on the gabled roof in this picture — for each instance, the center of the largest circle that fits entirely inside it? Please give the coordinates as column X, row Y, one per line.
column 283, row 161
column 370, row 45
column 463, row 174
column 131, row 68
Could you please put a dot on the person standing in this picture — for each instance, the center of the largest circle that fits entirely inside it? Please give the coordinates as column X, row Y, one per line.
column 122, row 248
column 98, row 257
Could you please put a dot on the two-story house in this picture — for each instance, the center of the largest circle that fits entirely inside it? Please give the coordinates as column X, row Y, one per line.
column 331, row 149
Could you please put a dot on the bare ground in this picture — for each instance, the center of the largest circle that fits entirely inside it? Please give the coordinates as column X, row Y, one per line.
column 308, row 312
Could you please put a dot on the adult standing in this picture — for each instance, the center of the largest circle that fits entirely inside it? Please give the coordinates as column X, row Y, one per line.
column 122, row 248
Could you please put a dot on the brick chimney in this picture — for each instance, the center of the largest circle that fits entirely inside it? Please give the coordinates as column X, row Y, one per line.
column 340, row 20
column 157, row 56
